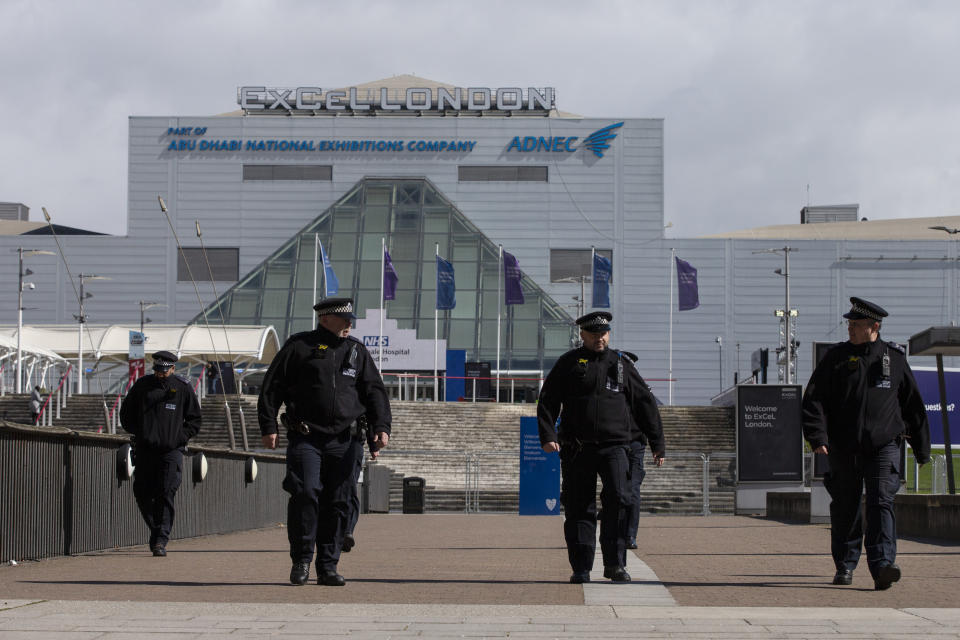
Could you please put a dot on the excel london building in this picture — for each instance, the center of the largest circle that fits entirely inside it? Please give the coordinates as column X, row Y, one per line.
column 427, row 168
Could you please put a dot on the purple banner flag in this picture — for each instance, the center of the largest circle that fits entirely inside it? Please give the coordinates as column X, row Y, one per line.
column 390, row 278
column 512, row 293
column 689, row 295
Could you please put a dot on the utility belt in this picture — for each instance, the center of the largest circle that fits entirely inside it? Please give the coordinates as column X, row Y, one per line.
column 358, row 429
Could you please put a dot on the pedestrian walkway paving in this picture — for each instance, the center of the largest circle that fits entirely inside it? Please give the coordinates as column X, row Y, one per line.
column 441, row 576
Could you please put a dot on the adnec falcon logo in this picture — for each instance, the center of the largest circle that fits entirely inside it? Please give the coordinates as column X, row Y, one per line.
column 599, row 140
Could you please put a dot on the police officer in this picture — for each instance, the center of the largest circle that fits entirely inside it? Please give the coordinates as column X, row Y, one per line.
column 598, row 397
column 327, row 380
column 860, row 403
column 163, row 413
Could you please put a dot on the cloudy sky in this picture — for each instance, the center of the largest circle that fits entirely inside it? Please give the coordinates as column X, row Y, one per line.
column 766, row 103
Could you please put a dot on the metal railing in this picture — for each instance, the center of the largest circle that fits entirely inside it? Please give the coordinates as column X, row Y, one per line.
column 487, row 487
column 60, row 494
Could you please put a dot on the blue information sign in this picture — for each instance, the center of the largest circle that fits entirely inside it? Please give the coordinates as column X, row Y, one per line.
column 539, row 474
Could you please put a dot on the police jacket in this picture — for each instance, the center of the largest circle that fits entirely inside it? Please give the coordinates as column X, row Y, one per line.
column 162, row 413
column 598, row 398
column 855, row 401
column 326, row 382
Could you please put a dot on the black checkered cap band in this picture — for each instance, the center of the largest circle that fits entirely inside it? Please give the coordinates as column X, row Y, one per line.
column 596, row 323
column 346, row 307
column 866, row 311
column 162, row 363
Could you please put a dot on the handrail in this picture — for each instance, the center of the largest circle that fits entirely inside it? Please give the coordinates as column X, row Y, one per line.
column 46, row 402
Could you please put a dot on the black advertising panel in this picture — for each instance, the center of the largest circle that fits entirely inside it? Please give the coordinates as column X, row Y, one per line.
column 480, row 371
column 769, row 437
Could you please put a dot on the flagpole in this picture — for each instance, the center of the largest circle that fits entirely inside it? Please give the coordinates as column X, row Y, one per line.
column 383, row 252
column 436, row 323
column 593, row 280
column 499, row 296
column 316, row 252
column 670, row 363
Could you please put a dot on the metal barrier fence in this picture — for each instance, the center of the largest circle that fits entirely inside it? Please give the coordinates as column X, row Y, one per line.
column 489, row 480
column 60, row 494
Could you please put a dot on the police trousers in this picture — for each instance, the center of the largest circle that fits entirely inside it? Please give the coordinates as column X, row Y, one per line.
column 579, row 468
column 156, row 479
column 319, row 470
column 353, row 504
column 637, row 474
column 877, row 471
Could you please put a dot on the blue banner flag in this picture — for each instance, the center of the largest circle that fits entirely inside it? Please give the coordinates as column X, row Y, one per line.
column 512, row 293
column 602, row 269
column 688, row 294
column 446, row 287
column 330, row 283
column 390, row 278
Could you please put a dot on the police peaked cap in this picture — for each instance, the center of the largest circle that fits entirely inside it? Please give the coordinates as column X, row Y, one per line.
column 595, row 321
column 864, row 310
column 340, row 307
column 164, row 359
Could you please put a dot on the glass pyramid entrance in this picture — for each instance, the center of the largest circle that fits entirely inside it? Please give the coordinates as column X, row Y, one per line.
column 413, row 217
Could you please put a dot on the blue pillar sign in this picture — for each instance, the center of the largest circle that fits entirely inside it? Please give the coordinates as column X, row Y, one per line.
column 539, row 474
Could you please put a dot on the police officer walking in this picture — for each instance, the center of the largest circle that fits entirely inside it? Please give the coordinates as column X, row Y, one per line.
column 327, row 380
column 163, row 413
column 599, row 399
column 860, row 403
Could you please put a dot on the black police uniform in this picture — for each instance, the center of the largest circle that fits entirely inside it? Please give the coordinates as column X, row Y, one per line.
column 598, row 398
column 635, row 453
column 326, row 382
column 860, row 401
column 162, row 414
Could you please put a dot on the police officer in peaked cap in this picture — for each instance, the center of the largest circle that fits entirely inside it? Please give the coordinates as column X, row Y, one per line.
column 859, row 405
column 163, row 413
column 327, row 381
column 592, row 402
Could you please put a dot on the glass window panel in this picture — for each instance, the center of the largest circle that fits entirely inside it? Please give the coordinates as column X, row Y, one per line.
column 345, row 221
column 305, row 272
column 303, row 302
column 366, row 299
column 342, row 248
column 404, row 323
column 430, row 196
column 301, row 324
column 379, row 195
column 572, row 264
column 488, row 339
column 489, row 302
column 525, row 336
column 407, row 273
column 344, row 272
column 430, row 247
column 465, row 274
column 370, row 275
column 278, row 275
column 322, row 226
column 275, row 300
column 466, row 304
column 530, row 309
column 243, row 308
column 406, row 219
column 403, row 305
column 376, row 219
column 463, row 335
column 436, row 220
column 372, row 246
column 465, row 248
column 556, row 338
column 409, row 193
column 404, row 247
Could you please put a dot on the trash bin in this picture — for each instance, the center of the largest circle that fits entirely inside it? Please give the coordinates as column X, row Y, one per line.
column 414, row 496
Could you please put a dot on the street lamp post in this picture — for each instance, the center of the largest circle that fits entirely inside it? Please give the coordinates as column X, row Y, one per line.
column 785, row 272
column 20, row 284
column 720, row 356
column 81, row 320
column 143, row 307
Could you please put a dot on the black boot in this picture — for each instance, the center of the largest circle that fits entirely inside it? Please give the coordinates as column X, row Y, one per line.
column 299, row 573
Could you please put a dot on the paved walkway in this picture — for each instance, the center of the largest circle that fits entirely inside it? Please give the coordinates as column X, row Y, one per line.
column 487, row 576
